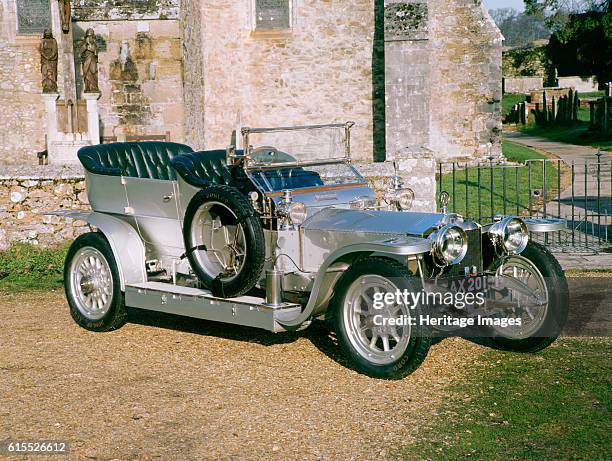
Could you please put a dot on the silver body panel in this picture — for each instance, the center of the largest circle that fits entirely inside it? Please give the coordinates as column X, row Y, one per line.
column 126, row 243
column 375, row 222
column 106, row 194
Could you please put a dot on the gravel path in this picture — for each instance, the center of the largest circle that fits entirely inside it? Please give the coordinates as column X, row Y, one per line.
column 165, row 387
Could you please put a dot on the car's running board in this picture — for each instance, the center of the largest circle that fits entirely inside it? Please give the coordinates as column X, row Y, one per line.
column 201, row 304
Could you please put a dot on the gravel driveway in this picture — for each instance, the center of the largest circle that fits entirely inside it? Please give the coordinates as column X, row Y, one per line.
column 165, row 387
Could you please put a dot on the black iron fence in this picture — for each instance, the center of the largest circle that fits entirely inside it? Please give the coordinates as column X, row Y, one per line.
column 578, row 193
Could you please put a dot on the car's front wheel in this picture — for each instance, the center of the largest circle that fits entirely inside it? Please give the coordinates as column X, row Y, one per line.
column 92, row 285
column 382, row 337
column 544, row 315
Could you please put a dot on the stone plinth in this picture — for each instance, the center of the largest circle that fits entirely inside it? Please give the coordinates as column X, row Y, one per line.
column 93, row 117
column 51, row 115
column 63, row 150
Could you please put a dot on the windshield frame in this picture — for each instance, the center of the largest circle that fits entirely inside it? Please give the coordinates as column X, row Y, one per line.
column 359, row 180
column 249, row 163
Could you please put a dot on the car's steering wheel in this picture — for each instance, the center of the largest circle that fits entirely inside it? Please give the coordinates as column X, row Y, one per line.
column 263, row 151
column 269, row 154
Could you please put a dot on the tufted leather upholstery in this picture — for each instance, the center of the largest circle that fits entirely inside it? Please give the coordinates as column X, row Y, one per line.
column 148, row 160
column 201, row 169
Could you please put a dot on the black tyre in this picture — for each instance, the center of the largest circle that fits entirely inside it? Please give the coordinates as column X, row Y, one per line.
column 92, row 285
column 381, row 351
column 224, row 241
column 551, row 322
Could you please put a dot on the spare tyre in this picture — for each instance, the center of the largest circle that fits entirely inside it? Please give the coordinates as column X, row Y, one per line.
column 224, row 241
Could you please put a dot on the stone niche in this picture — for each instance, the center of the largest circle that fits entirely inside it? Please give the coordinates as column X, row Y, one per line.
column 140, row 68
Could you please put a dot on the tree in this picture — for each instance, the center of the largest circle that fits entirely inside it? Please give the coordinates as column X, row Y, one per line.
column 556, row 12
column 583, row 46
column 519, row 29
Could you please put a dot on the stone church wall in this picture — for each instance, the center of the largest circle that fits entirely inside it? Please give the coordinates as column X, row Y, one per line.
column 140, row 75
column 22, row 126
column 193, row 73
column 320, row 71
column 441, row 77
column 465, row 80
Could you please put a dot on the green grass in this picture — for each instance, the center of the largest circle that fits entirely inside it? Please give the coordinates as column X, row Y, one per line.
column 576, row 133
column 510, row 99
column 517, row 199
column 29, row 267
column 592, row 94
column 556, row 404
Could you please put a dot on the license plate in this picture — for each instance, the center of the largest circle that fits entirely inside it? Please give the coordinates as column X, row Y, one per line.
column 468, row 284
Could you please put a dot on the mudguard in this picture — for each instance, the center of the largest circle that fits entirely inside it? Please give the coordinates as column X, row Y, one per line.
column 397, row 246
column 540, row 225
column 127, row 246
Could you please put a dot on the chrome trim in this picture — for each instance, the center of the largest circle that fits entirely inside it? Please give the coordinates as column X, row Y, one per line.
column 295, row 128
column 438, row 239
column 545, row 224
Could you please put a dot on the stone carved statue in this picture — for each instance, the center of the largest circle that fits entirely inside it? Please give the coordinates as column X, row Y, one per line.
column 65, row 15
column 89, row 60
column 48, row 62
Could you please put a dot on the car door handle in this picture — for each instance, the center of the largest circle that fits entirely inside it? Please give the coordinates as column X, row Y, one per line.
column 167, row 198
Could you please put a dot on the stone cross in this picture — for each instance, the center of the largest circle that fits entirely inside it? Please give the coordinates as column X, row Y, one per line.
column 48, row 62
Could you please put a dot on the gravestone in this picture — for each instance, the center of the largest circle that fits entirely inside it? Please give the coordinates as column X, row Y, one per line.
column 272, row 14
column 33, row 16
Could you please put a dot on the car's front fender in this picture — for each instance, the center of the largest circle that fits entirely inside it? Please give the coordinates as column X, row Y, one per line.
column 326, row 275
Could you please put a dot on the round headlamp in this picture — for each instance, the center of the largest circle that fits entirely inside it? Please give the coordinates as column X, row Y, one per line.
column 449, row 245
column 400, row 198
column 510, row 234
column 294, row 212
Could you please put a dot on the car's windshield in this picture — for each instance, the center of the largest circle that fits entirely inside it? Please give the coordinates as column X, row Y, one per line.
column 311, row 176
column 297, row 144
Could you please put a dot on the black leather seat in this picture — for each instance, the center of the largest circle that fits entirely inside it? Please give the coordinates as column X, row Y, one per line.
column 148, row 160
column 201, row 169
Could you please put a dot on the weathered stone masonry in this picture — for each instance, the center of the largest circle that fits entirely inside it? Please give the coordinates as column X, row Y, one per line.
column 140, row 66
column 27, row 192
column 434, row 82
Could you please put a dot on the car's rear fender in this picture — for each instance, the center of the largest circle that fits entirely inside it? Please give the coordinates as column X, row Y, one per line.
column 128, row 248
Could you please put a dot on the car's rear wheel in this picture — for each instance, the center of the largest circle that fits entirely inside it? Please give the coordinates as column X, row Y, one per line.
column 92, row 285
column 224, row 241
column 382, row 339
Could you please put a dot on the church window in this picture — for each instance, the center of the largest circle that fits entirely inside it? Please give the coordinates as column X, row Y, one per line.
column 272, row 14
column 33, row 16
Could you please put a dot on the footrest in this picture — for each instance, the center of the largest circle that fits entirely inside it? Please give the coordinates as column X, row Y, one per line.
column 197, row 303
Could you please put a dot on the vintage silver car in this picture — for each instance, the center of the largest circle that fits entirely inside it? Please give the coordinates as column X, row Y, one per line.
column 280, row 229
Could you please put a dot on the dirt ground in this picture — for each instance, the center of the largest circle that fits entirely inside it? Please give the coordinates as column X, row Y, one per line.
column 165, row 387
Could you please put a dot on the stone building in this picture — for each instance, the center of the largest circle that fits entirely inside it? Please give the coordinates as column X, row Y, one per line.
column 410, row 73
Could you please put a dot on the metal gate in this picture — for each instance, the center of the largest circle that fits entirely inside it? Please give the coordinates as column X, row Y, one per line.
column 578, row 193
